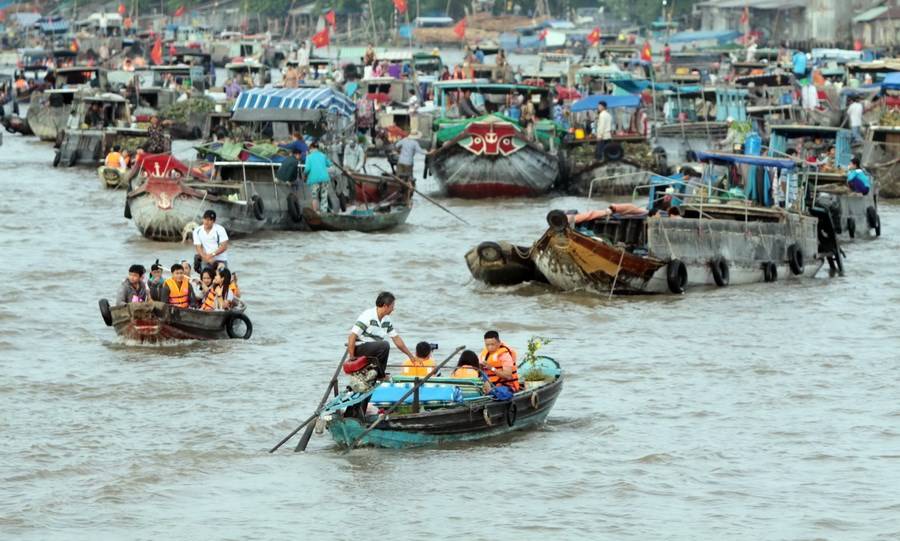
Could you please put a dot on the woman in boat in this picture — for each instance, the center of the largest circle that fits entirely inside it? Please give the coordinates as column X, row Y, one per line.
column 220, row 296
column 206, row 284
column 467, row 366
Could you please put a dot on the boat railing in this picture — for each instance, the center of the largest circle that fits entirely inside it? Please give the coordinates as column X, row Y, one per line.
column 696, row 193
column 596, row 180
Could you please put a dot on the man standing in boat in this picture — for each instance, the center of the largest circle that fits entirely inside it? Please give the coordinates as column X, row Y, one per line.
column 602, row 129
column 370, row 332
column 408, row 147
column 211, row 241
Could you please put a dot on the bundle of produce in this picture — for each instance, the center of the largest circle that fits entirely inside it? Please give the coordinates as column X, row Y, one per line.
column 181, row 111
column 890, row 117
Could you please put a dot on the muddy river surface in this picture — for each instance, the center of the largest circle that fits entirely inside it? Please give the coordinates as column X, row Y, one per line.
column 762, row 412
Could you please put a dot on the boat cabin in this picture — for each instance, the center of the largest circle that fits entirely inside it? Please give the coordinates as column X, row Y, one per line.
column 81, row 76
column 388, row 90
column 812, row 144
column 428, row 64
column 249, row 72
column 99, row 111
column 493, row 96
column 33, row 59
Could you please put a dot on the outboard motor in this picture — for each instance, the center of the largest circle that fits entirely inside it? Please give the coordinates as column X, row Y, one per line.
column 363, row 372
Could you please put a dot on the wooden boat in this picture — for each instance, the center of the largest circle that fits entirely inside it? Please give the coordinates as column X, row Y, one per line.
column 714, row 240
column 502, row 264
column 491, row 156
column 154, row 321
column 114, row 178
column 380, row 218
column 49, row 111
column 468, row 415
column 853, row 214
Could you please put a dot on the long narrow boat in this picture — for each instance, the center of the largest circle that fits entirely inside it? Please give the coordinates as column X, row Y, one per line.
column 152, row 321
column 447, row 410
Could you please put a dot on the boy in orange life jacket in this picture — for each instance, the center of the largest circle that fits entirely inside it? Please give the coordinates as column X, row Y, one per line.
column 499, row 363
column 420, row 365
column 177, row 289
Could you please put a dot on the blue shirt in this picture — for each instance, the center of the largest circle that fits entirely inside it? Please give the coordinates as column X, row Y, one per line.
column 317, row 164
column 799, row 61
column 300, row 145
column 859, row 181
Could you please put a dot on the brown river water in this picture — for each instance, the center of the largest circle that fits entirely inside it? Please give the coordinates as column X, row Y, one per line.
column 761, row 412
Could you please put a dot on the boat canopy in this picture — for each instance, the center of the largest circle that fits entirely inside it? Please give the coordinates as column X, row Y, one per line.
column 891, row 82
column 762, row 161
column 721, row 36
column 590, row 103
column 290, row 104
column 489, row 88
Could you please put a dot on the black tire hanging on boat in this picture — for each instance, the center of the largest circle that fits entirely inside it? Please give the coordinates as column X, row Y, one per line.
column 557, row 220
column 720, row 272
column 795, row 259
column 229, row 326
column 105, row 312
column 127, row 210
column 490, row 251
column 294, row 209
column 676, row 276
column 871, row 217
column 511, row 413
column 56, row 159
column 614, row 152
column 851, row 228
column 877, row 225
column 770, row 271
column 256, row 204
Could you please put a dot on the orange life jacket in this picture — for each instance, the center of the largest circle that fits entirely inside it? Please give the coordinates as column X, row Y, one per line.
column 113, row 159
column 178, row 296
column 493, row 362
column 417, row 368
column 209, row 302
column 466, row 372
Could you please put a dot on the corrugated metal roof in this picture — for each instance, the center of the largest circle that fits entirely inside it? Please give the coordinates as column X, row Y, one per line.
column 870, row 14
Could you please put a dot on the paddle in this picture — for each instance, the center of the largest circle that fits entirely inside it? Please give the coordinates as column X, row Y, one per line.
column 413, row 188
column 399, row 401
column 305, row 439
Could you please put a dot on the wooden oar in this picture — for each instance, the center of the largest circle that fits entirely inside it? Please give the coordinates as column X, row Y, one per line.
column 399, row 402
column 402, row 182
column 305, row 439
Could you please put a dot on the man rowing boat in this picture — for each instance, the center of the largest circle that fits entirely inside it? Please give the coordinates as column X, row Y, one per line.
column 370, row 332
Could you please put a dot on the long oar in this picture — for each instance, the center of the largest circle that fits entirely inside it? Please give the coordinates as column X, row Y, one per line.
column 308, row 433
column 402, row 182
column 399, row 402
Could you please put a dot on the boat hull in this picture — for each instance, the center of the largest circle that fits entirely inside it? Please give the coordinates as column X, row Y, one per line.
column 502, row 264
column 476, row 420
column 855, row 219
column 572, row 261
column 525, row 173
column 150, row 322
column 378, row 221
column 47, row 122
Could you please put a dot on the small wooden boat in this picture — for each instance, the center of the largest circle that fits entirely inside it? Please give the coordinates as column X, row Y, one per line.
column 154, row 321
column 447, row 410
column 502, row 264
column 115, row 178
column 379, row 218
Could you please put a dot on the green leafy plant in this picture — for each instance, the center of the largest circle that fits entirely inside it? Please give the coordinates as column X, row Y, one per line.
column 532, row 371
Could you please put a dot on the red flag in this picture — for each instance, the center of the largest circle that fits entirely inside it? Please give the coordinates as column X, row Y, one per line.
column 400, row 5
column 122, row 9
column 460, row 29
column 857, row 45
column 74, row 45
column 156, row 52
column 180, row 11
column 745, row 16
column 594, row 36
column 543, row 35
column 646, row 52
column 321, row 39
column 330, row 19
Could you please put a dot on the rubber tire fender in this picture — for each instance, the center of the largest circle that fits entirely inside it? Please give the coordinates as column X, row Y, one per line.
column 557, row 220
column 105, row 312
column 877, row 225
column 490, row 251
column 720, row 272
column 256, row 204
column 676, row 276
column 614, row 152
column 56, row 158
column 795, row 259
column 229, row 326
column 770, row 271
column 294, row 209
column 851, row 228
column 511, row 413
column 127, row 210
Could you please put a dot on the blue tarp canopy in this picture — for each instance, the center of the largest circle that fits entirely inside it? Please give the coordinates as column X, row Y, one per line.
column 721, row 36
column 891, row 82
column 762, row 161
column 636, row 86
column 590, row 103
column 290, row 104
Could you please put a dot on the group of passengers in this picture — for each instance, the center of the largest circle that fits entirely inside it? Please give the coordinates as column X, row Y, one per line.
column 495, row 366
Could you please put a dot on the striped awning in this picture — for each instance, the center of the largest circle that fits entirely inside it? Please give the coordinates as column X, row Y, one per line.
column 294, row 99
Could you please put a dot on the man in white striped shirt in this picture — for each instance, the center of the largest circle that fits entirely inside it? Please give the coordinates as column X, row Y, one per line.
column 370, row 332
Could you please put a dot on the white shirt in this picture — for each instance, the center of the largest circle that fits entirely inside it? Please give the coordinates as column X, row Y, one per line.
column 810, row 97
column 855, row 114
column 604, row 125
column 368, row 328
column 210, row 241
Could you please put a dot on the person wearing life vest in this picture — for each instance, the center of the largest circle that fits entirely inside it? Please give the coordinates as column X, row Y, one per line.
column 115, row 159
column 467, row 367
column 498, row 361
column 177, row 290
column 420, row 365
